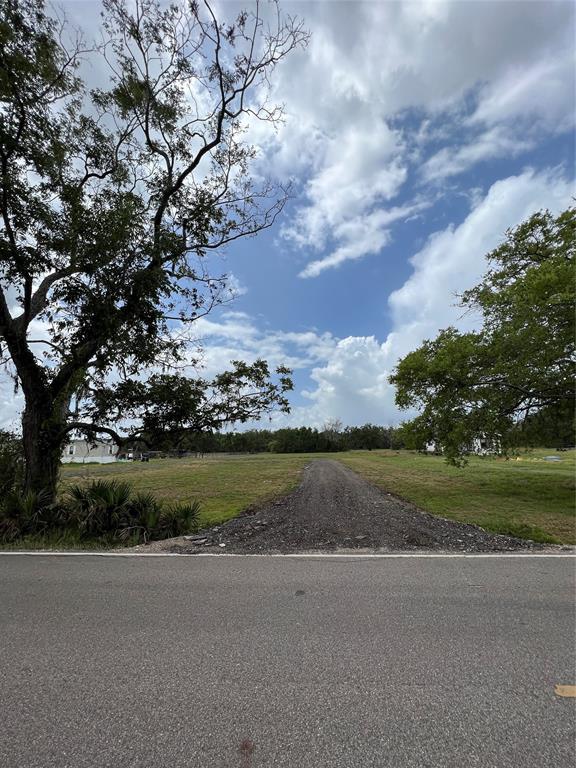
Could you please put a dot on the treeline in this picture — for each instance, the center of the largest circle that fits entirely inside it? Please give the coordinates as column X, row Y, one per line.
column 294, row 440
column 553, row 428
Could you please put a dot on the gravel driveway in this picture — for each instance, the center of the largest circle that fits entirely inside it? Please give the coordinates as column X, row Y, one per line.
column 335, row 509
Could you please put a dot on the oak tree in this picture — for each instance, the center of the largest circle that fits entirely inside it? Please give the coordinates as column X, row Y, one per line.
column 112, row 199
column 518, row 368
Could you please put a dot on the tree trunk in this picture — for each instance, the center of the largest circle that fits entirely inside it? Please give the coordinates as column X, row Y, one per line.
column 43, row 440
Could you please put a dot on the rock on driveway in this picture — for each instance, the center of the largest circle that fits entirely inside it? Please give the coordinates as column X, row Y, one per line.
column 334, row 508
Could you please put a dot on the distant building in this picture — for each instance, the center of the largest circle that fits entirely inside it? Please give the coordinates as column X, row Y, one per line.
column 485, row 446
column 480, row 446
column 89, row 451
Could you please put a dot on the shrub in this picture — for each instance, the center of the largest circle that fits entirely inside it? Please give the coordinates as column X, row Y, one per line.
column 28, row 513
column 147, row 509
column 105, row 510
column 178, row 519
column 109, row 509
column 98, row 509
column 143, row 518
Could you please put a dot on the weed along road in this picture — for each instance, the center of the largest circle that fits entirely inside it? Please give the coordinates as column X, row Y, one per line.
column 299, row 662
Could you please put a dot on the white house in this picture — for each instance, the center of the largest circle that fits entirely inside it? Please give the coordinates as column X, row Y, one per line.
column 486, row 446
column 481, row 446
column 89, row 451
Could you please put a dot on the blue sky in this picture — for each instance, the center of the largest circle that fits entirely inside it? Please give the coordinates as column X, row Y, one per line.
column 415, row 134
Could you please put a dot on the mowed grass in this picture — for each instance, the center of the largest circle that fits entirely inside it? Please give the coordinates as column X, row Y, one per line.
column 524, row 496
column 224, row 485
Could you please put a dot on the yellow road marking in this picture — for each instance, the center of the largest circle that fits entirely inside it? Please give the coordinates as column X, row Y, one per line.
column 568, row 691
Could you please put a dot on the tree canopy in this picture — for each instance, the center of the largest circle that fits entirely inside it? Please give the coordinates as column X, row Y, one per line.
column 112, row 199
column 168, row 407
column 517, row 370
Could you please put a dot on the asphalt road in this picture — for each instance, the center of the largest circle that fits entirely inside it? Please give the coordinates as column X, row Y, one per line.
column 309, row 663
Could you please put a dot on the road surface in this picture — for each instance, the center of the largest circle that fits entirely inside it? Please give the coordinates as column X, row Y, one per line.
column 246, row 662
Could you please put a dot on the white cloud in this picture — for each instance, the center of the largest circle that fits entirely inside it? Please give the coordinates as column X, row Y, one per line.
column 453, row 260
column 487, row 80
column 236, row 336
column 352, row 384
column 543, row 91
column 234, row 287
column 359, row 170
column 11, row 404
column 367, row 62
column 491, row 144
column 362, row 235
column 350, row 375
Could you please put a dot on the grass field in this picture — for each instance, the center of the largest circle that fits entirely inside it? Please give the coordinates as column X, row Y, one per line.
column 526, row 496
column 224, row 485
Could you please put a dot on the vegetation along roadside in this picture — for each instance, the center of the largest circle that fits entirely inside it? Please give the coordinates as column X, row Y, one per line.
column 525, row 496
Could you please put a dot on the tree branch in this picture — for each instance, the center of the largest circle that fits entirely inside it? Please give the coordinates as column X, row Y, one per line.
column 88, row 428
column 39, row 299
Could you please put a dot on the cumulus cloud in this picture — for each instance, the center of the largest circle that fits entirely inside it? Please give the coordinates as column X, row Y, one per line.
column 236, row 335
column 349, row 376
column 359, row 169
column 387, row 93
column 11, row 405
column 234, row 287
column 453, row 260
column 353, row 384
column 491, row 83
column 542, row 91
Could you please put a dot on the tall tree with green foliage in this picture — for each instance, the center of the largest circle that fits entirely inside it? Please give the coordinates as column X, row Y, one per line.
column 112, row 199
column 519, row 367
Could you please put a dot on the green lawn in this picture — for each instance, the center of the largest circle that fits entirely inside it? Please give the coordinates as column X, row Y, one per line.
column 224, row 485
column 525, row 496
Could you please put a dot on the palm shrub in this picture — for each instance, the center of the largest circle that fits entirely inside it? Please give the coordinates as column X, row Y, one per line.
column 27, row 513
column 178, row 519
column 143, row 518
column 106, row 509
column 109, row 509
column 99, row 509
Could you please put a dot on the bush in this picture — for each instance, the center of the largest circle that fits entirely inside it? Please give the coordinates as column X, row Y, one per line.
column 107, row 508
column 178, row 519
column 105, row 511
column 98, row 509
column 143, row 518
column 24, row 514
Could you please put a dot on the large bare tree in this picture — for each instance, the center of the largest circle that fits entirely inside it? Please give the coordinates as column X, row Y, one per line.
column 111, row 200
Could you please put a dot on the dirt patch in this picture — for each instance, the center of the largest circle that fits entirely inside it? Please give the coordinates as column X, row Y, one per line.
column 335, row 509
